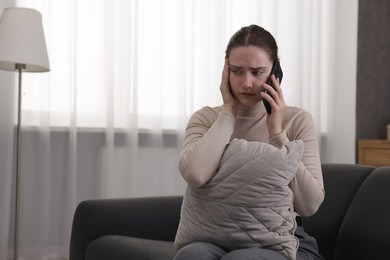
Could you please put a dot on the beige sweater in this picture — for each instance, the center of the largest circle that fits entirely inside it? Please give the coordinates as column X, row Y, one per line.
column 209, row 130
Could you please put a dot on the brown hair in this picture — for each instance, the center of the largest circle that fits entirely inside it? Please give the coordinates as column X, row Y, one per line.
column 256, row 36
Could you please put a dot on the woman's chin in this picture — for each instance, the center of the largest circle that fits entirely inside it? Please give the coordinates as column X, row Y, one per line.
column 249, row 103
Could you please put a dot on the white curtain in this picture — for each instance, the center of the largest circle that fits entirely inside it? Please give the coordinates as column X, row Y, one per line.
column 108, row 119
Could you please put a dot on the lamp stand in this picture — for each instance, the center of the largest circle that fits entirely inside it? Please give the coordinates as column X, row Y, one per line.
column 19, row 26
column 20, row 68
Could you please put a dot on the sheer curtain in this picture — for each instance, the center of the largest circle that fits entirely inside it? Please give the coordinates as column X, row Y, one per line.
column 108, row 119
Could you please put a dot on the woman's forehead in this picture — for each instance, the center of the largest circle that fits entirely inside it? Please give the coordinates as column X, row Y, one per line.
column 249, row 56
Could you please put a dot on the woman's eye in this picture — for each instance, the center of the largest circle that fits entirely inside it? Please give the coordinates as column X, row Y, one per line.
column 234, row 71
column 256, row 73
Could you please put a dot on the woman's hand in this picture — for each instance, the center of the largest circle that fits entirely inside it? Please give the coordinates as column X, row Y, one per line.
column 230, row 103
column 275, row 98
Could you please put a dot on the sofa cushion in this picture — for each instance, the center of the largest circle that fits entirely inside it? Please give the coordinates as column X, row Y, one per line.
column 127, row 248
column 365, row 231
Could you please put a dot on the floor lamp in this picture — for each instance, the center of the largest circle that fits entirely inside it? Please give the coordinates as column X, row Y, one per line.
column 22, row 48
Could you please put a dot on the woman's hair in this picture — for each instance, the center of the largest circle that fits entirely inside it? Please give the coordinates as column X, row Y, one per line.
column 256, row 36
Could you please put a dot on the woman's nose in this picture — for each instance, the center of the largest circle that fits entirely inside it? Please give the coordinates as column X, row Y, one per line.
column 247, row 81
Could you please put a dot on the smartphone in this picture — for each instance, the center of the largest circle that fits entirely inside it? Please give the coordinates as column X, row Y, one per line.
column 277, row 71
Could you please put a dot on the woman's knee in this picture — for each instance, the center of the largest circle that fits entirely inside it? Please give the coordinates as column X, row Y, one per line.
column 254, row 253
column 199, row 250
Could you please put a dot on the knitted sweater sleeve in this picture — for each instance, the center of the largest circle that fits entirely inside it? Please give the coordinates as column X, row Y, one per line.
column 204, row 144
column 307, row 185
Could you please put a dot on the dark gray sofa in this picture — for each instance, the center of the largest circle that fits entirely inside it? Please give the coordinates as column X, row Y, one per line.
column 352, row 223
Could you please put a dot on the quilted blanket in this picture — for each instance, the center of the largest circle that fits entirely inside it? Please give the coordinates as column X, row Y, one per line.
column 248, row 202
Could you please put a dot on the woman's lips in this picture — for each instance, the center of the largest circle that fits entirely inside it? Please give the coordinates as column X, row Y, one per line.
column 247, row 94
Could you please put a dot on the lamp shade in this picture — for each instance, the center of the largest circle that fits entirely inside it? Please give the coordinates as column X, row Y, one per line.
column 22, row 40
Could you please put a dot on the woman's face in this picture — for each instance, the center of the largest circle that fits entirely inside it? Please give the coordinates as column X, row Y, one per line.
column 250, row 67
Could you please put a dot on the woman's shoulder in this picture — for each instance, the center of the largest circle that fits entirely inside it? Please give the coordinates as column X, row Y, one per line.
column 208, row 112
column 299, row 123
column 209, row 109
column 298, row 115
column 206, row 116
column 292, row 111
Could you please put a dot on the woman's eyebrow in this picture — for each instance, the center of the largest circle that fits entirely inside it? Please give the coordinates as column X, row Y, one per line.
column 236, row 67
column 254, row 68
column 259, row 68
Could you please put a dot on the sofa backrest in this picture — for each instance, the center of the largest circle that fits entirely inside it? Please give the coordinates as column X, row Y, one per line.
column 341, row 182
column 365, row 231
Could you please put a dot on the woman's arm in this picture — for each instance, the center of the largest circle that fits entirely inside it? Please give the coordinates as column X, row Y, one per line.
column 307, row 185
column 207, row 134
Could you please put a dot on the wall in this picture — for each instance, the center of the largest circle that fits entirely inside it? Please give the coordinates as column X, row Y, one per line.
column 373, row 70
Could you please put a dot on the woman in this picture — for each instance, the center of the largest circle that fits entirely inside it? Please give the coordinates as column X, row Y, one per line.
column 250, row 55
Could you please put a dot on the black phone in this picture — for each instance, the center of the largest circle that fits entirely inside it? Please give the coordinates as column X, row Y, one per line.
column 277, row 71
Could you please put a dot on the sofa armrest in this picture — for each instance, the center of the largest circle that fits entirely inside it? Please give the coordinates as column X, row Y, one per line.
column 365, row 231
column 342, row 181
column 150, row 218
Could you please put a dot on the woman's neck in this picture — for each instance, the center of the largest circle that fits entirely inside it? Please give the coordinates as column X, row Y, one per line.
column 249, row 111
